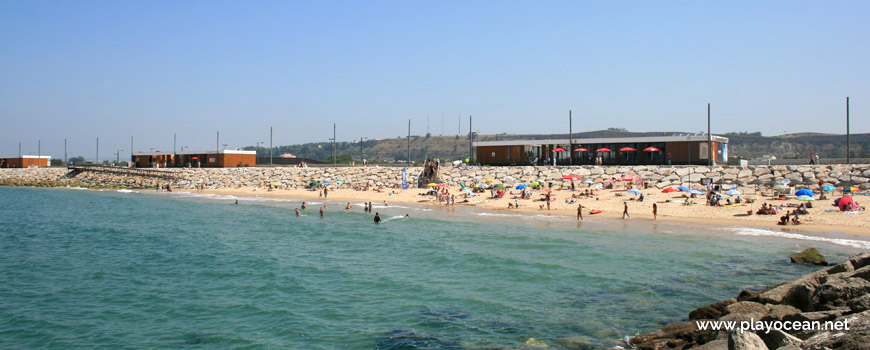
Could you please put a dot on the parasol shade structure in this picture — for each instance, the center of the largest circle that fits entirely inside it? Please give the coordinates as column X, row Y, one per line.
column 603, row 149
column 500, row 186
column 629, row 178
column 635, row 191
column 627, row 149
column 683, row 188
column 519, row 187
column 828, row 188
column 669, row 190
column 313, row 183
column 442, row 184
column 696, row 192
column 432, row 184
column 572, row 177
column 732, row 192
column 560, row 149
column 581, row 149
column 651, row 149
column 805, row 198
column 851, row 189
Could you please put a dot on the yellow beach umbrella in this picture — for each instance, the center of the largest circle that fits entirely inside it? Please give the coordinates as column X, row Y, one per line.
column 490, row 180
column 432, row 184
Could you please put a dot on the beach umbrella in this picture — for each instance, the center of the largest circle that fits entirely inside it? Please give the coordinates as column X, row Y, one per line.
column 627, row 149
column 695, row 192
column 805, row 198
column 732, row 192
column 581, row 149
column 804, row 192
column 519, row 187
column 490, row 180
column 844, row 202
column 651, row 149
column 669, row 190
column 571, row 177
column 439, row 181
column 432, row 184
column 468, row 191
column 588, row 181
column 443, row 184
column 635, row 191
column 313, row 183
column 683, row 188
column 604, row 150
column 828, row 188
column 500, row 186
column 275, row 184
column 629, row 178
column 339, row 182
column 851, row 189
column 325, row 182
column 560, row 149
column 785, row 182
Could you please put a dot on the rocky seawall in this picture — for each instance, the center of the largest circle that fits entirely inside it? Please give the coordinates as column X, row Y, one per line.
column 657, row 176
column 837, row 297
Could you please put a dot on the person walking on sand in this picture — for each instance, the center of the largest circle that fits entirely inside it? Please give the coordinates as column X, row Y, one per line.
column 377, row 218
column 655, row 211
column 580, row 212
column 625, row 211
column 298, row 213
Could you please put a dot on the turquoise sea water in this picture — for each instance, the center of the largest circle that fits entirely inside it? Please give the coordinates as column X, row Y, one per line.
column 109, row 269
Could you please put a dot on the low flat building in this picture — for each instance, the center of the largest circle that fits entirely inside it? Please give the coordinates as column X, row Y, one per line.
column 648, row 150
column 195, row 159
column 25, row 161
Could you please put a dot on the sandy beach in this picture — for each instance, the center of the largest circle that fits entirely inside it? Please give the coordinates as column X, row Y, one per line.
column 610, row 202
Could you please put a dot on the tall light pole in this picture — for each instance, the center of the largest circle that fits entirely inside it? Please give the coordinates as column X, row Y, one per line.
column 131, row 149
column 270, row 146
column 38, row 152
column 570, row 139
column 709, row 139
column 333, row 145
column 64, row 151
column 848, row 154
column 361, row 148
column 409, row 142
column 118, row 156
column 470, row 142
column 174, row 142
column 98, row 152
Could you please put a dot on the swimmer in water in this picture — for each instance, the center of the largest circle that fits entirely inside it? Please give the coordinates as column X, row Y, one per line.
column 377, row 218
column 348, row 206
column 298, row 213
column 303, row 205
column 322, row 211
column 237, row 202
column 407, row 215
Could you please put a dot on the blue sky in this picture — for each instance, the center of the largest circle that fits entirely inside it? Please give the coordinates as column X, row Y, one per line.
column 115, row 69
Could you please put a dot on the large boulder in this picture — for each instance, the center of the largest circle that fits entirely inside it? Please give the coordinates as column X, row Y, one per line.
column 836, row 293
column 775, row 339
column 673, row 336
column 745, row 341
column 712, row 311
column 809, row 256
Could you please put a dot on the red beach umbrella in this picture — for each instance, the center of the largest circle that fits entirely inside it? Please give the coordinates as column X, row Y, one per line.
column 572, row 177
column 669, row 190
column 560, row 149
column 629, row 178
column 604, row 150
column 651, row 149
column 581, row 149
column 627, row 149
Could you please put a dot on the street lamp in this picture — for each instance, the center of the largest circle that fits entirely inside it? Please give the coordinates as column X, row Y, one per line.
column 118, row 156
column 361, row 149
column 183, row 147
column 225, row 146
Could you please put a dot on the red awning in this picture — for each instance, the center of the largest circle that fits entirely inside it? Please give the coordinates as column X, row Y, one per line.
column 581, row 149
column 604, row 150
column 627, row 149
column 194, row 157
column 560, row 149
column 651, row 149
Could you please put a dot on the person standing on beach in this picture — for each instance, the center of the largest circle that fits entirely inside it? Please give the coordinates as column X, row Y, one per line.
column 580, row 212
column 377, row 218
column 625, row 210
column 655, row 211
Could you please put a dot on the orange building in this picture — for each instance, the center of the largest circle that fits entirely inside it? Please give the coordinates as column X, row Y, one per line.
column 195, row 159
column 25, row 161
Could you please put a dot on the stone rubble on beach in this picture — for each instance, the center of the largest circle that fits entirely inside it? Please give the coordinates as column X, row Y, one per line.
column 655, row 176
column 838, row 293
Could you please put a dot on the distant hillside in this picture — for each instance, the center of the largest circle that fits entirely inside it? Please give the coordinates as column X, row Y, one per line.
column 743, row 144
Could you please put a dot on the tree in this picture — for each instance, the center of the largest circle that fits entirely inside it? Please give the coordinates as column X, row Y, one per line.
column 77, row 160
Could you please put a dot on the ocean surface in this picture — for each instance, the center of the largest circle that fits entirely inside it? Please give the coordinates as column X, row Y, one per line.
column 83, row 269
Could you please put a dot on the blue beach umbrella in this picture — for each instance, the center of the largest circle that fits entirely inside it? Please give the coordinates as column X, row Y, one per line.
column 804, row 192
column 828, row 188
column 519, row 187
column 695, row 192
column 683, row 188
column 468, row 191
column 635, row 191
column 805, row 198
column 325, row 182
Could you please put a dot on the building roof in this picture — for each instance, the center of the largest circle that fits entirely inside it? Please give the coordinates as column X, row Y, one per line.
column 644, row 139
column 223, row 151
column 28, row 156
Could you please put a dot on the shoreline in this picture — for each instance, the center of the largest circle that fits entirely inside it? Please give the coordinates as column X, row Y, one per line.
column 817, row 222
